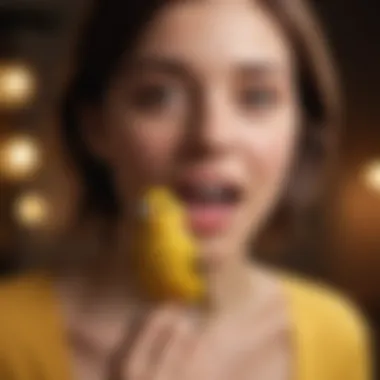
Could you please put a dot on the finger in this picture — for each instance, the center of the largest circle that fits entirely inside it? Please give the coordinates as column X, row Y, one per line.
column 202, row 361
column 149, row 343
column 178, row 349
column 118, row 358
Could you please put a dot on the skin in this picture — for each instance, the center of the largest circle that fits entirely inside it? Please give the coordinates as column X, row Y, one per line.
column 219, row 89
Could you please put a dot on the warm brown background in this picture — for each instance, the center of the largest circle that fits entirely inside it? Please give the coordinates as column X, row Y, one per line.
column 41, row 33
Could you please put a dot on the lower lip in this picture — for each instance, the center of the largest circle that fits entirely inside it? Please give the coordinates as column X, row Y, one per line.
column 210, row 218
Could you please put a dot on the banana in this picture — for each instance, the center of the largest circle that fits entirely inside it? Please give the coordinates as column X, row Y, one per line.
column 165, row 250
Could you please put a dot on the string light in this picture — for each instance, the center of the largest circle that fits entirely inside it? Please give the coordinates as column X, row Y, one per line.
column 20, row 157
column 31, row 210
column 17, row 85
column 372, row 176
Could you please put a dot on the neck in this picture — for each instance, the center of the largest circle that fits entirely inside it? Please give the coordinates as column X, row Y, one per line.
column 229, row 285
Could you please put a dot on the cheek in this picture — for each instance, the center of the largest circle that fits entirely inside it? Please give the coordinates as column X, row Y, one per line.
column 144, row 151
column 269, row 152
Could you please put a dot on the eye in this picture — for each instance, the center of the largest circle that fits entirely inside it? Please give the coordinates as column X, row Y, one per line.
column 156, row 97
column 257, row 98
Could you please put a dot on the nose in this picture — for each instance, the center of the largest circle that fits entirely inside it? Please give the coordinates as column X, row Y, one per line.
column 212, row 128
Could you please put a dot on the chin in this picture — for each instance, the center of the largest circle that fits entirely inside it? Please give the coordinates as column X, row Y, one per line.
column 216, row 251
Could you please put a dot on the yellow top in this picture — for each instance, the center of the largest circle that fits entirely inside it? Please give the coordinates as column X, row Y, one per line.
column 330, row 340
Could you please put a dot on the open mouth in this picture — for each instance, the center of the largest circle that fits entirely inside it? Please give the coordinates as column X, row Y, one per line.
column 210, row 205
column 206, row 194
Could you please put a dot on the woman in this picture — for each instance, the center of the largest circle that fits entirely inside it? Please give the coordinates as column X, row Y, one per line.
column 226, row 98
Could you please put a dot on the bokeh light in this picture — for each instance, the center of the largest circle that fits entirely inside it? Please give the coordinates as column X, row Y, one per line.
column 17, row 85
column 20, row 157
column 372, row 176
column 31, row 210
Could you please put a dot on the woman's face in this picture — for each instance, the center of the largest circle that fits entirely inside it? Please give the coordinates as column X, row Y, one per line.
column 207, row 104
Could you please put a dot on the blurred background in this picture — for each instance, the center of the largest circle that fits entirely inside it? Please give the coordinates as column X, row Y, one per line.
column 38, row 189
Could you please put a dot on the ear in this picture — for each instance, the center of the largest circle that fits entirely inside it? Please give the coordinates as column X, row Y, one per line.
column 93, row 132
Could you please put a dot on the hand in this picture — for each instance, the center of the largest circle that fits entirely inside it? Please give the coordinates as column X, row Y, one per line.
column 171, row 346
column 159, row 349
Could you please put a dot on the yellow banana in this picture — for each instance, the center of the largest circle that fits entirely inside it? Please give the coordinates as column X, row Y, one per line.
column 165, row 251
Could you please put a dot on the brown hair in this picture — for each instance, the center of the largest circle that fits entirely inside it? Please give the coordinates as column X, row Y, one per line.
column 113, row 30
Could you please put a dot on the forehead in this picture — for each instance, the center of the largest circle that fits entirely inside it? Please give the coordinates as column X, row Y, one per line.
column 215, row 33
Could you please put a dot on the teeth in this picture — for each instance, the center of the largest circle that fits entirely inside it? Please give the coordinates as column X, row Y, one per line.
column 207, row 193
column 211, row 192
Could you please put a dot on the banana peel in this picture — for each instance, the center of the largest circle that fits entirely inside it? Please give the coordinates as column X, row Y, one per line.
column 165, row 251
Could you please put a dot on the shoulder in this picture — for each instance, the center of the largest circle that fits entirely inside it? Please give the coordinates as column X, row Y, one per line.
column 334, row 324
column 23, row 288
column 32, row 341
column 328, row 305
column 24, row 301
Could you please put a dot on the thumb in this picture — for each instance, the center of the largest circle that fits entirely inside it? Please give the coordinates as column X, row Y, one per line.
column 122, row 351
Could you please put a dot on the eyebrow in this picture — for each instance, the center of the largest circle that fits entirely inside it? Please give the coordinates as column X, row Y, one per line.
column 163, row 65
column 260, row 69
column 172, row 66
